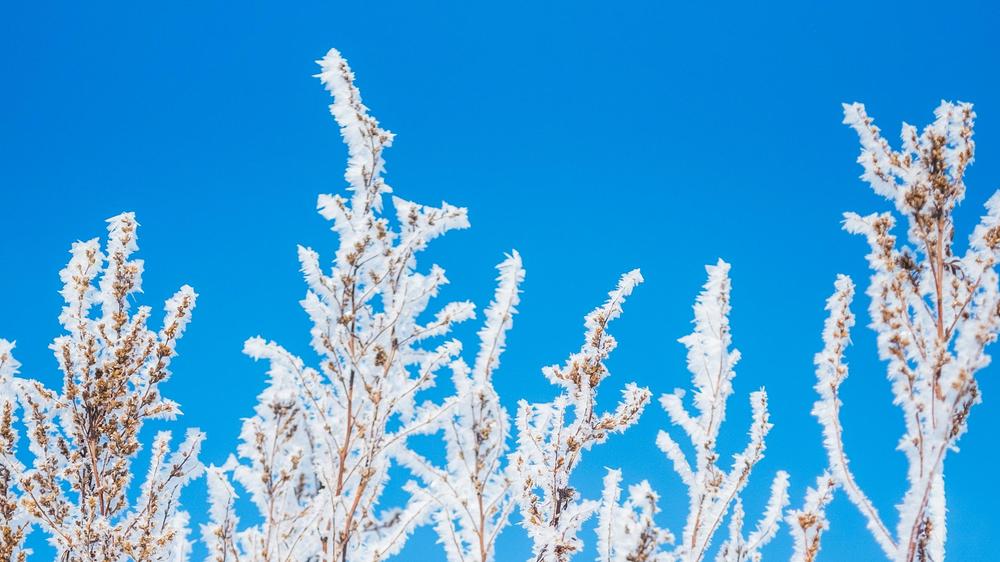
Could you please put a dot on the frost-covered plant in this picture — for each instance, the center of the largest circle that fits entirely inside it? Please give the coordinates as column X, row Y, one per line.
column 934, row 313
column 712, row 490
column 738, row 548
column 626, row 531
column 552, row 436
column 317, row 452
column 808, row 524
column 471, row 493
column 14, row 521
column 83, row 439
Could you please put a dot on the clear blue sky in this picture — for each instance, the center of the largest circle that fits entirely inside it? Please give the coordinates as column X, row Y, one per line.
column 591, row 137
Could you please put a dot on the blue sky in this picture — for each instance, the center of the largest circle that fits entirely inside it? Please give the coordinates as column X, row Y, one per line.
column 592, row 137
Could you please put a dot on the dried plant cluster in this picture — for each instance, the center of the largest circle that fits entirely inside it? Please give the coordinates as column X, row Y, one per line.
column 934, row 312
column 84, row 438
column 315, row 458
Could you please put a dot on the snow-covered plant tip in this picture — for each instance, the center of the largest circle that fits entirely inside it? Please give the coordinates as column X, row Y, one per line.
column 934, row 312
column 315, row 458
column 84, row 438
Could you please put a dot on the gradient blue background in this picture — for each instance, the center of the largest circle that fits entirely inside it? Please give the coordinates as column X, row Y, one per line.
column 592, row 137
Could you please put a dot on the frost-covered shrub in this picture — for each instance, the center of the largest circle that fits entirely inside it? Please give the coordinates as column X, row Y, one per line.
column 552, row 436
column 471, row 492
column 934, row 313
column 627, row 532
column 83, row 439
column 315, row 457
